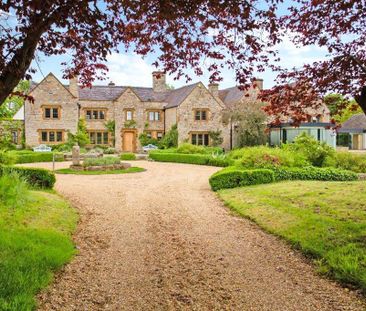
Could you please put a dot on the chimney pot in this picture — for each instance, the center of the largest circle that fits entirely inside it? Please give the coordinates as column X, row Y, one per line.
column 111, row 83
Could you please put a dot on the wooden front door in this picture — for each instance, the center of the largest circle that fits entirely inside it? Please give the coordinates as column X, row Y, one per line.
column 129, row 141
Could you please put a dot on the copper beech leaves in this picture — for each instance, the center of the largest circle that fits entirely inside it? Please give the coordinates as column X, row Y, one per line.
column 180, row 33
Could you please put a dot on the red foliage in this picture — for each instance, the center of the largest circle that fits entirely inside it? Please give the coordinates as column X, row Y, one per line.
column 337, row 26
column 233, row 34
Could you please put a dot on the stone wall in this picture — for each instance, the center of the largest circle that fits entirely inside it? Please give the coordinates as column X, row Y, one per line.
column 200, row 98
column 49, row 92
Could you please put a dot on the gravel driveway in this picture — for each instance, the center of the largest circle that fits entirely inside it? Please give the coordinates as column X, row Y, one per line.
column 161, row 240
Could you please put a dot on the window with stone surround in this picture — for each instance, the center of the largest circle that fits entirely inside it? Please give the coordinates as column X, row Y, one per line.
column 154, row 115
column 95, row 114
column 129, row 114
column 51, row 112
column 51, row 136
column 155, row 134
column 99, row 137
column 201, row 139
column 200, row 114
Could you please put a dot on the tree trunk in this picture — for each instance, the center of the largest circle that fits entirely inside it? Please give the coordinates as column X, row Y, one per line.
column 361, row 99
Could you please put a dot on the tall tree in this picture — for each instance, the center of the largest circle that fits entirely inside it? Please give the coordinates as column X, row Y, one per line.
column 233, row 34
column 339, row 28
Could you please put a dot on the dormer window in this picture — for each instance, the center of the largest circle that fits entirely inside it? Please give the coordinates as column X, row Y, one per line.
column 51, row 112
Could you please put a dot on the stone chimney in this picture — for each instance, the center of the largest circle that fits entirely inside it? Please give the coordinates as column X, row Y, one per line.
column 73, row 86
column 214, row 89
column 159, row 81
column 259, row 83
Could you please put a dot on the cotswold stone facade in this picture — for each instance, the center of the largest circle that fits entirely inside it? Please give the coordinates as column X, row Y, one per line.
column 195, row 109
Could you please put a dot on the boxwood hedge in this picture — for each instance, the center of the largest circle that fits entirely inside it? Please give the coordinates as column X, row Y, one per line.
column 35, row 177
column 32, row 157
column 232, row 178
column 200, row 159
column 128, row 156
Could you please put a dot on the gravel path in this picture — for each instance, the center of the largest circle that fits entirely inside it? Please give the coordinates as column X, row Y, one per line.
column 161, row 240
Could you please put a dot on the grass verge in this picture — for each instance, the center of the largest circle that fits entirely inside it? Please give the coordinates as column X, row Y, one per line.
column 75, row 172
column 35, row 241
column 325, row 220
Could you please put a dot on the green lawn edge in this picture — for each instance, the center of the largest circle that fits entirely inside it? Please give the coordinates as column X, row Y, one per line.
column 343, row 261
column 35, row 242
column 133, row 169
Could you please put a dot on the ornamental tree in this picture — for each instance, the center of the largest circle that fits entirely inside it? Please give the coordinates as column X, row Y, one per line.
column 338, row 27
column 235, row 34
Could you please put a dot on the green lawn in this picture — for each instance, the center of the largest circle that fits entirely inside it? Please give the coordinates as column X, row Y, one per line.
column 75, row 172
column 35, row 240
column 326, row 220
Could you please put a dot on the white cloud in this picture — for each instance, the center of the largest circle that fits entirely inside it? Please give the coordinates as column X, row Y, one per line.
column 129, row 69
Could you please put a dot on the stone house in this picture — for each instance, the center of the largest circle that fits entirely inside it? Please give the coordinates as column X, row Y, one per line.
column 352, row 133
column 195, row 109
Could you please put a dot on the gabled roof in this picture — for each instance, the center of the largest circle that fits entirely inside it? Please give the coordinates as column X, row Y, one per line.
column 176, row 97
column 34, row 85
column 231, row 95
column 356, row 123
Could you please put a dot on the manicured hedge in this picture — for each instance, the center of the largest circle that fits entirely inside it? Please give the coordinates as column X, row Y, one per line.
column 35, row 177
column 314, row 173
column 128, row 156
column 200, row 159
column 232, row 178
column 37, row 157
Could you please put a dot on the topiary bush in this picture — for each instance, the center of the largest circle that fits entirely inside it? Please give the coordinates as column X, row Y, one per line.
column 35, row 177
column 313, row 173
column 266, row 157
column 232, row 177
column 128, row 156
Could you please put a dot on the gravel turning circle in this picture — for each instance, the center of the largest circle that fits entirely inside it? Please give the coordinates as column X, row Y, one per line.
column 161, row 240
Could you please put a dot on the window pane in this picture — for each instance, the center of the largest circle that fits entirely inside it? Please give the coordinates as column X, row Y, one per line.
column 203, row 115
column 160, row 135
column 44, row 136
column 199, row 140
column 194, row 139
column 55, row 113
column 51, row 136
column 14, row 137
column 197, row 115
column 95, row 114
column 99, row 138
column 151, row 116
column 102, row 115
column 88, row 114
column 105, row 138
column 59, row 136
column 157, row 116
column 205, row 139
column 47, row 113
column 148, row 134
column 92, row 138
column 128, row 115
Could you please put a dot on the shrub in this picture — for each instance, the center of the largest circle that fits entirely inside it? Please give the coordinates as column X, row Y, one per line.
column 128, row 156
column 193, row 149
column 32, row 157
column 314, row 173
column 13, row 190
column 232, row 177
column 81, row 137
column 199, row 159
column 144, row 140
column 170, row 139
column 7, row 157
column 62, row 147
column 347, row 161
column 35, row 177
column 110, row 150
column 101, row 161
column 266, row 157
column 315, row 152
